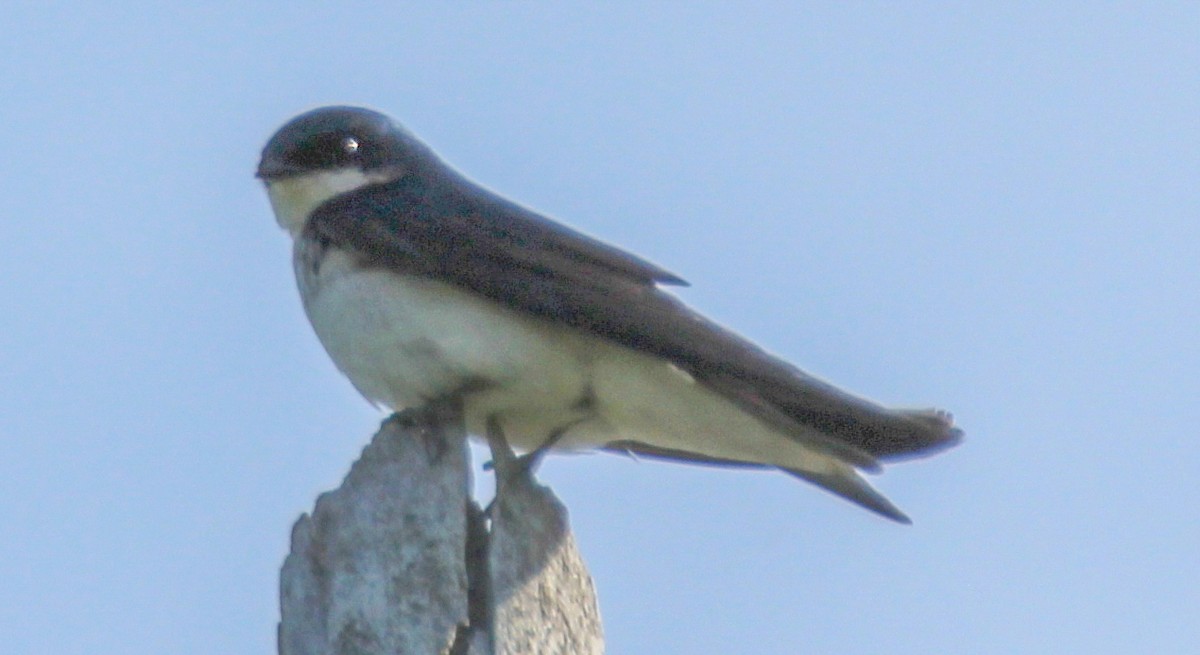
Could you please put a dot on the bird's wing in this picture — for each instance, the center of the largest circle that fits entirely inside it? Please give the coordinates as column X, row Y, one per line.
column 451, row 230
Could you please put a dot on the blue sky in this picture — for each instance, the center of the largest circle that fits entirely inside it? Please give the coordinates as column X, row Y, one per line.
column 992, row 210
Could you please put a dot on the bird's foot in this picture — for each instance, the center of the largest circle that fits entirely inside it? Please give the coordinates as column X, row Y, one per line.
column 431, row 424
column 506, row 462
column 511, row 468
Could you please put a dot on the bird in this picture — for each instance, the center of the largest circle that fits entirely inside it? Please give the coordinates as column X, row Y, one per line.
column 423, row 285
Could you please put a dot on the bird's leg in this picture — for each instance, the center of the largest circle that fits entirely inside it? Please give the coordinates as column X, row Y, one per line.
column 504, row 460
column 529, row 461
column 503, row 457
column 507, row 465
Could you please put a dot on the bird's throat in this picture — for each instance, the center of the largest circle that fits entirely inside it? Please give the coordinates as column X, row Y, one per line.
column 294, row 198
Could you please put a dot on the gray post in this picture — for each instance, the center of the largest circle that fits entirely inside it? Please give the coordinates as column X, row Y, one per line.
column 399, row 559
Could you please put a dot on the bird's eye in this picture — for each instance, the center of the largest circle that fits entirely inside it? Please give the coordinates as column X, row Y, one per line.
column 327, row 150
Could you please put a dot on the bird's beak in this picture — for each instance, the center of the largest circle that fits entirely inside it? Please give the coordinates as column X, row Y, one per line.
column 272, row 168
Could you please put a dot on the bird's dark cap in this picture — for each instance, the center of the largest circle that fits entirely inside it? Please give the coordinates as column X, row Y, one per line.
column 335, row 137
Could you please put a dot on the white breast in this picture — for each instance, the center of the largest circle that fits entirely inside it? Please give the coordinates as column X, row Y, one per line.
column 403, row 340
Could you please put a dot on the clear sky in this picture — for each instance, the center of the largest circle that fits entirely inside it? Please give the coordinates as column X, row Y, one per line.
column 992, row 210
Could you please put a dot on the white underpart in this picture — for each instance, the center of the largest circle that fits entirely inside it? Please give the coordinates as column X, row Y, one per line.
column 404, row 340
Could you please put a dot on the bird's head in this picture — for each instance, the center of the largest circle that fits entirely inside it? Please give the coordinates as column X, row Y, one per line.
column 329, row 151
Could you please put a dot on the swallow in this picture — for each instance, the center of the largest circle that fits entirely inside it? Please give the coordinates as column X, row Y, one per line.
column 424, row 286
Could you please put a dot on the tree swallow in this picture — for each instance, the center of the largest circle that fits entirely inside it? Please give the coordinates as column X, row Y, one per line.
column 423, row 285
